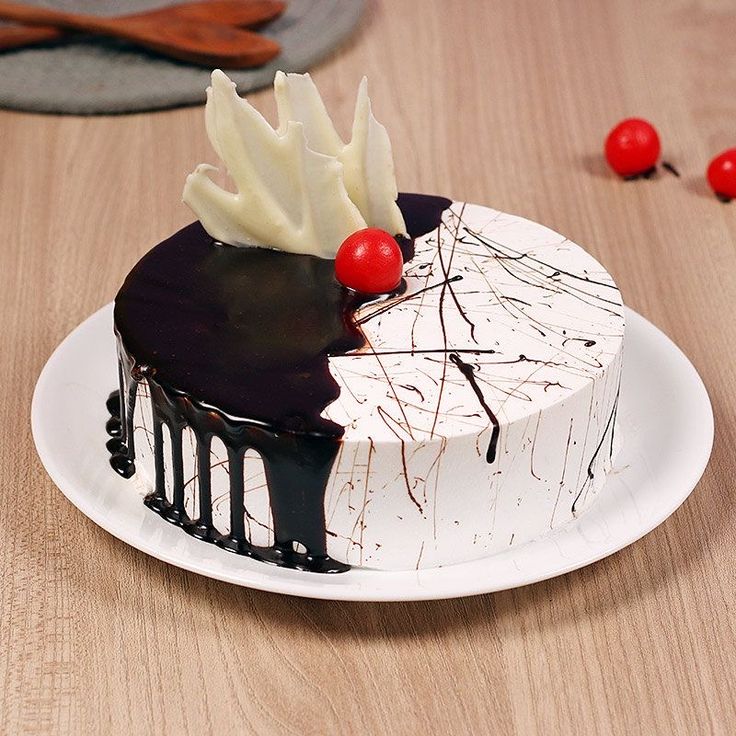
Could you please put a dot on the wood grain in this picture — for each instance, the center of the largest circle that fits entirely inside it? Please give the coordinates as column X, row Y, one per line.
column 504, row 103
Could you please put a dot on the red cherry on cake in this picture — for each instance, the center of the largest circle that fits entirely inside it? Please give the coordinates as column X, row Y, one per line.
column 369, row 261
column 632, row 147
column 722, row 174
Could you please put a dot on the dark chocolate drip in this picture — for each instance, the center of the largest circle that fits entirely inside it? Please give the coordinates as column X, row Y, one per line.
column 236, row 537
column 234, row 343
column 205, row 490
column 121, row 446
column 159, row 494
column 469, row 372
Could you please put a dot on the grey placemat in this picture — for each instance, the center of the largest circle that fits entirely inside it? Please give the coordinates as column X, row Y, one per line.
column 93, row 77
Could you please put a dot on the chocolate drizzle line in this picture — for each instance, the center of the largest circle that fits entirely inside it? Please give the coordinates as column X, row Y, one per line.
column 234, row 344
column 610, row 427
column 469, row 372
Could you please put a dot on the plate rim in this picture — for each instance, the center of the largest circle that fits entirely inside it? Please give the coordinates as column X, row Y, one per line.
column 418, row 585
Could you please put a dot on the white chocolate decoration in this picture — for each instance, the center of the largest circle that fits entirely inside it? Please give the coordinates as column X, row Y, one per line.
column 300, row 188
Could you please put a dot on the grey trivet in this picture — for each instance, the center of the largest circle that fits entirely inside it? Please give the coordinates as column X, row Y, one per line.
column 95, row 76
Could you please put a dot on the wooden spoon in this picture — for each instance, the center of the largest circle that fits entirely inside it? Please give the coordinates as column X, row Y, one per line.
column 205, row 43
column 227, row 12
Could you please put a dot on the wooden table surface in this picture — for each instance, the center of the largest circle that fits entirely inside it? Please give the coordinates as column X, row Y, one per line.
column 504, row 103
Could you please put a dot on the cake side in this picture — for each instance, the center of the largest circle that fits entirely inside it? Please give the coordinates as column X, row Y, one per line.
column 478, row 413
column 233, row 346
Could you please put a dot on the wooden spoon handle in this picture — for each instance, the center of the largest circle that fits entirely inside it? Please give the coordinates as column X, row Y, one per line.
column 224, row 12
column 228, row 12
column 241, row 13
column 12, row 37
column 208, row 44
column 34, row 15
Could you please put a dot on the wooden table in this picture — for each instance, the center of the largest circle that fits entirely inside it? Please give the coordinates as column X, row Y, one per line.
column 505, row 103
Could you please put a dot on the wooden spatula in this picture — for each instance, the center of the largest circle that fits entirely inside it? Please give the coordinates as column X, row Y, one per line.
column 240, row 13
column 205, row 41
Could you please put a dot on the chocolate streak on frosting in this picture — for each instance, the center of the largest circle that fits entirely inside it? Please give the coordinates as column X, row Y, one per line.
column 610, row 427
column 234, row 343
column 395, row 302
column 468, row 371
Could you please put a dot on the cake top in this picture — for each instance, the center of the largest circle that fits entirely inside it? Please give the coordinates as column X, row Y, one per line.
column 501, row 317
column 300, row 187
column 247, row 331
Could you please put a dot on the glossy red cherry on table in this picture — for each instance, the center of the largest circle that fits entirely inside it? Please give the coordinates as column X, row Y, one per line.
column 632, row 147
column 370, row 261
column 722, row 174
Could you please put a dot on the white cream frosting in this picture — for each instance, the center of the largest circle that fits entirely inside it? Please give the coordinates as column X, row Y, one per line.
column 542, row 325
column 300, row 188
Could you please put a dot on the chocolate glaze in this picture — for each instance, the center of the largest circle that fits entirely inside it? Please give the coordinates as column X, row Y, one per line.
column 234, row 343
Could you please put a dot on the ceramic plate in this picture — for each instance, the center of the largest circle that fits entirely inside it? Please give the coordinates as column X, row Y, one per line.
column 666, row 427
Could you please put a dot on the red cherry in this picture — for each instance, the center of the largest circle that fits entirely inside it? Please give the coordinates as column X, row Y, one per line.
column 632, row 147
column 370, row 261
column 722, row 174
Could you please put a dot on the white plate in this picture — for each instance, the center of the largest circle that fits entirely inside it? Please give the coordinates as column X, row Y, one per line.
column 666, row 427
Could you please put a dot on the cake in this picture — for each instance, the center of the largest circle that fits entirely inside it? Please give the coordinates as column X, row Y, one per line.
column 267, row 408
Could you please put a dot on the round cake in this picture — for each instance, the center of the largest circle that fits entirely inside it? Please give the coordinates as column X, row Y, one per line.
column 270, row 410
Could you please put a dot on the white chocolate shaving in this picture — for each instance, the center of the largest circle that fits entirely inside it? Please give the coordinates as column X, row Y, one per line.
column 299, row 187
